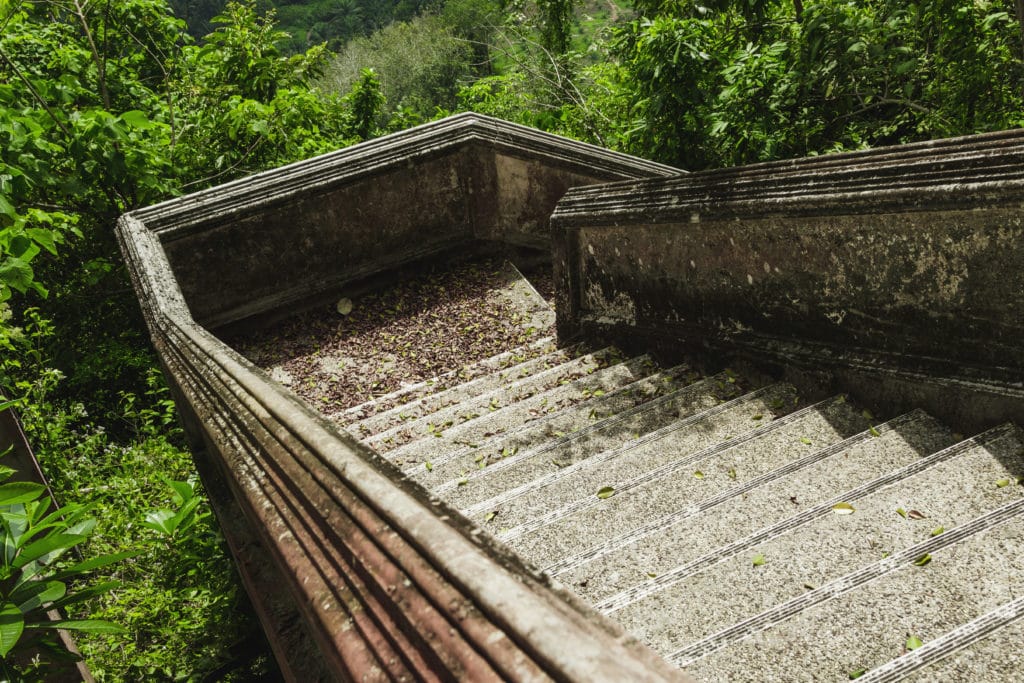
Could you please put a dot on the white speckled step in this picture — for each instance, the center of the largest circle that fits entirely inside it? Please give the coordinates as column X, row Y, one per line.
column 865, row 619
column 512, row 411
column 818, row 546
column 987, row 648
column 643, row 492
column 413, row 392
column 559, row 450
column 462, row 393
column 626, row 564
column 436, row 424
column 672, row 389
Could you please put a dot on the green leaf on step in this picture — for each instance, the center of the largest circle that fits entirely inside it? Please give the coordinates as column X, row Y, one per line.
column 429, row 465
column 758, row 416
column 758, row 560
column 923, row 560
column 913, row 642
column 479, row 457
column 901, row 512
column 857, row 673
column 651, row 575
column 805, row 441
column 867, row 414
column 874, row 432
column 732, row 473
column 809, row 586
column 344, row 306
column 843, row 509
column 598, row 392
column 938, row 530
column 462, row 482
column 489, row 516
column 698, row 474
column 605, row 492
column 1002, row 482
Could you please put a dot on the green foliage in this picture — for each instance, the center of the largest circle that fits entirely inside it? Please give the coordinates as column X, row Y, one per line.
column 748, row 83
column 35, row 584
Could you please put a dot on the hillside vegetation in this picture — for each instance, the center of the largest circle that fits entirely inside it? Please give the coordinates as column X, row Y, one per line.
column 109, row 106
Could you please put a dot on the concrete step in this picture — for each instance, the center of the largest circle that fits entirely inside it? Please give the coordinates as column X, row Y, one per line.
column 987, row 648
column 694, row 604
column 616, row 415
column 623, row 566
column 435, row 424
column 419, row 390
column 551, row 458
column 867, row 618
column 645, row 490
column 473, row 425
column 545, row 488
column 463, row 392
column 666, row 475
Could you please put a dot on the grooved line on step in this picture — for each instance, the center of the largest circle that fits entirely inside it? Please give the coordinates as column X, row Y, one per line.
column 665, row 522
column 449, row 396
column 589, row 429
column 845, row 584
column 650, row 475
column 533, row 424
column 960, row 637
column 631, row 595
column 580, row 365
column 351, row 414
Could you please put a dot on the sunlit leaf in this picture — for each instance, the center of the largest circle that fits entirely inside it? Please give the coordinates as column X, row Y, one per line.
column 923, row 560
column 843, row 509
column 12, row 625
column 913, row 642
column 758, row 560
column 606, row 492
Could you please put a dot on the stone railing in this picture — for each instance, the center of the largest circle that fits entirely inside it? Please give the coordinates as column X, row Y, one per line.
column 355, row 572
column 897, row 272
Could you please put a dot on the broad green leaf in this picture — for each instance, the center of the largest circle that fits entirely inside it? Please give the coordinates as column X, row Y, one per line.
column 12, row 625
column 606, row 492
column 758, row 560
column 38, row 593
column 86, row 594
column 160, row 520
column 20, row 492
column 489, row 516
column 83, row 625
column 1002, row 482
column 52, row 544
column 16, row 274
column 698, row 474
column 93, row 563
column 913, row 642
column 843, row 509
column 857, row 673
column 137, row 119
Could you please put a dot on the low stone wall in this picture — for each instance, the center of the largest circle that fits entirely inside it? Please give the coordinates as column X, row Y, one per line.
column 355, row 572
column 900, row 261
column 279, row 238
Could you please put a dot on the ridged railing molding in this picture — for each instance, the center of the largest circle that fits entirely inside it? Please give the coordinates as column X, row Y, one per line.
column 899, row 270
column 356, row 572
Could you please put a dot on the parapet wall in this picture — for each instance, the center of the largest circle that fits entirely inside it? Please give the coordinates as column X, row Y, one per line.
column 281, row 237
column 355, row 572
column 907, row 259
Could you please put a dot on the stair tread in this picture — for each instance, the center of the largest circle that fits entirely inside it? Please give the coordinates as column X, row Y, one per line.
column 441, row 382
column 490, row 401
column 870, row 624
column 625, row 562
column 464, row 391
column 558, row 452
column 993, row 654
column 484, row 420
column 552, row 425
column 658, row 492
column 951, row 487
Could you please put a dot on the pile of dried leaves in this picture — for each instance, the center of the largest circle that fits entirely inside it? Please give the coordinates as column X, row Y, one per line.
column 409, row 332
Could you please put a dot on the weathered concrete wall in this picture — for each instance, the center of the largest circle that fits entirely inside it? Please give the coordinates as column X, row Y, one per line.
column 909, row 253
column 383, row 581
column 285, row 236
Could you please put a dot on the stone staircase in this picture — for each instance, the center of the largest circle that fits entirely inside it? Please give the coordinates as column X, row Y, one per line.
column 741, row 531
